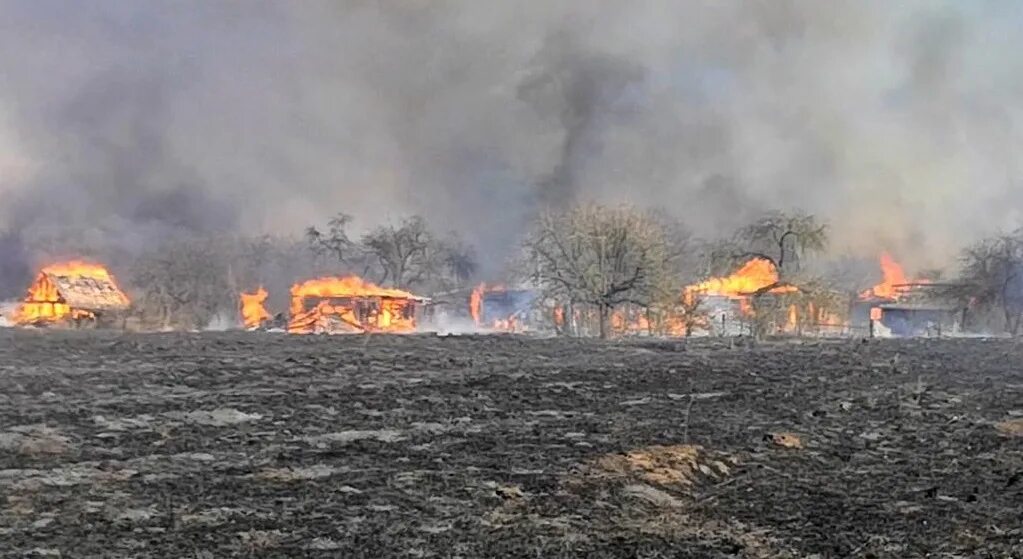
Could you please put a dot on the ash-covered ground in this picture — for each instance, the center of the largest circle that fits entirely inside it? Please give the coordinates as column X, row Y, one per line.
column 244, row 444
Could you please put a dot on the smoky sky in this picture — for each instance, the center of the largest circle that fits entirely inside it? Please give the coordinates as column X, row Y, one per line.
column 899, row 122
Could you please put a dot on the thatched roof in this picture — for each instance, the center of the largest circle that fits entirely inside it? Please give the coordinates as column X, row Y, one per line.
column 89, row 293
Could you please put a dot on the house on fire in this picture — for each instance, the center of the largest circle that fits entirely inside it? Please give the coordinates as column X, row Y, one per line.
column 913, row 311
column 503, row 309
column 72, row 293
column 352, row 305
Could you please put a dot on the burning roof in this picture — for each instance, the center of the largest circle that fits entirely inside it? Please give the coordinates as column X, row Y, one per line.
column 894, row 283
column 72, row 289
column 350, row 304
column 754, row 276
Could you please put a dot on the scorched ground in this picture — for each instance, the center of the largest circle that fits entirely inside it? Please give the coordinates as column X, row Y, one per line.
column 247, row 444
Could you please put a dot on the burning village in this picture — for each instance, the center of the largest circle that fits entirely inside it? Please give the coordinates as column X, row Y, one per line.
column 463, row 279
column 751, row 300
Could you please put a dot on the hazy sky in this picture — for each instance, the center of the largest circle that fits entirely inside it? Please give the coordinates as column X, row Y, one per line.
column 897, row 121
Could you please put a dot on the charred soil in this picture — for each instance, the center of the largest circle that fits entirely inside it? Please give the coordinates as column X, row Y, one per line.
column 253, row 444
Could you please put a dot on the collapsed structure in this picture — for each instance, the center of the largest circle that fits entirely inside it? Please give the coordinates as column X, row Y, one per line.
column 72, row 293
column 351, row 304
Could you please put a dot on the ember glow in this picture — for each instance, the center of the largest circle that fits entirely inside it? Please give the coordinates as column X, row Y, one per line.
column 44, row 302
column 350, row 304
column 252, row 309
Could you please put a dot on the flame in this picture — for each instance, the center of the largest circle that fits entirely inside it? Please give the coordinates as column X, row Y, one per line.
column 559, row 316
column 793, row 319
column 891, row 276
column 476, row 303
column 43, row 303
column 476, row 297
column 894, row 282
column 753, row 276
column 253, row 312
column 351, row 303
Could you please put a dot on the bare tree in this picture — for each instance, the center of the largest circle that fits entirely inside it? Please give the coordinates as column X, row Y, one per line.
column 598, row 256
column 992, row 278
column 183, row 283
column 783, row 239
column 459, row 264
column 334, row 241
column 407, row 255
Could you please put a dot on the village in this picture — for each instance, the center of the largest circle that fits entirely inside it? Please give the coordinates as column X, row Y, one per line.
column 469, row 279
column 78, row 294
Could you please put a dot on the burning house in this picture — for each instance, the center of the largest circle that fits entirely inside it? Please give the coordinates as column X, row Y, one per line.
column 72, row 294
column 502, row 309
column 898, row 306
column 727, row 301
column 351, row 305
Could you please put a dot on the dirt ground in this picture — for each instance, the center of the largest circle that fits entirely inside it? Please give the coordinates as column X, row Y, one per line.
column 264, row 445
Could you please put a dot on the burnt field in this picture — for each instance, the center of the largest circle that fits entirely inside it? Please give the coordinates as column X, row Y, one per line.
column 240, row 444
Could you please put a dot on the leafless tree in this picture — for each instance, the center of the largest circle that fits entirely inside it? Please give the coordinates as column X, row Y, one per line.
column 182, row 283
column 783, row 239
column 991, row 278
column 334, row 241
column 599, row 257
column 407, row 255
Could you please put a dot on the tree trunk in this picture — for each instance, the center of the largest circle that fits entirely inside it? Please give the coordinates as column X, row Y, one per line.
column 604, row 315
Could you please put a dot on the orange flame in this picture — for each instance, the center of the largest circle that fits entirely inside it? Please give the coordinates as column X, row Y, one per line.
column 350, row 303
column 753, row 276
column 253, row 312
column 476, row 303
column 44, row 304
column 892, row 276
column 508, row 324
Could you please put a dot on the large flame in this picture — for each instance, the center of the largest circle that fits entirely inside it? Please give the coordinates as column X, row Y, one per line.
column 752, row 277
column 892, row 276
column 349, row 304
column 252, row 309
column 44, row 304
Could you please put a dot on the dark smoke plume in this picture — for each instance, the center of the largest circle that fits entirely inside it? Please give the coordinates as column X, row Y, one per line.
column 122, row 123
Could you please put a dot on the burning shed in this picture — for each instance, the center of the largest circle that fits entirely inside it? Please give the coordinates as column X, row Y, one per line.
column 351, row 305
column 501, row 308
column 899, row 306
column 72, row 293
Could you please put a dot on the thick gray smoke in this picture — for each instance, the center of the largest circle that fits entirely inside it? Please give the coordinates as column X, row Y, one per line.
column 127, row 121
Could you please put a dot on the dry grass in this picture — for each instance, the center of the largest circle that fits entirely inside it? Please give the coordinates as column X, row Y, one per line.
column 674, row 465
column 787, row 440
column 1010, row 427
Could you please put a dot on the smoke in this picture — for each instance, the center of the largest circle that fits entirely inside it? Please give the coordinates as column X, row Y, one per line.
column 122, row 123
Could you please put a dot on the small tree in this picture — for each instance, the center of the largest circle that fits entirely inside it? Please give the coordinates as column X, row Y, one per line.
column 334, row 241
column 783, row 239
column 183, row 283
column 598, row 256
column 992, row 278
column 407, row 255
